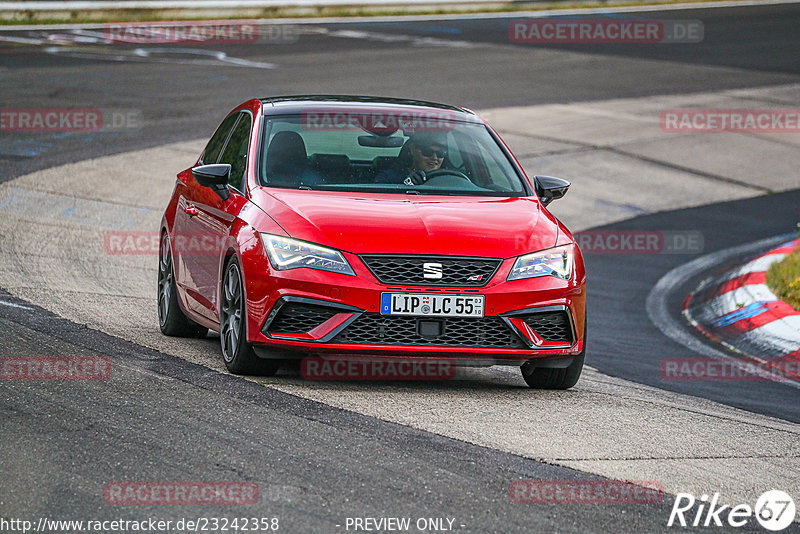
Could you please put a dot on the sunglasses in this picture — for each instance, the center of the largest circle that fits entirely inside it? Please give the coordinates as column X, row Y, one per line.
column 429, row 152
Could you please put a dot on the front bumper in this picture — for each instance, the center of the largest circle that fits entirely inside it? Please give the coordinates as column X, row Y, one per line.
column 303, row 311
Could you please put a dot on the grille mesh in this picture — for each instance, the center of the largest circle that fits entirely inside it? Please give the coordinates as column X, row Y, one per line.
column 551, row 326
column 373, row 328
column 408, row 270
column 295, row 318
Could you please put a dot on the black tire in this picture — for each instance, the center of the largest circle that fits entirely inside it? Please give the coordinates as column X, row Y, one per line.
column 237, row 354
column 171, row 318
column 553, row 377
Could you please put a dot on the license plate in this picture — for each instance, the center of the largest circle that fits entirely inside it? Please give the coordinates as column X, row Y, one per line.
column 426, row 305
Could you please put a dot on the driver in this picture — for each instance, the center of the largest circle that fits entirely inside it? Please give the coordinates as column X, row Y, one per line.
column 426, row 152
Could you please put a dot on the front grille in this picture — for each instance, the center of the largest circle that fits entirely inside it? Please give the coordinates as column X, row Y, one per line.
column 551, row 326
column 376, row 329
column 296, row 318
column 409, row 270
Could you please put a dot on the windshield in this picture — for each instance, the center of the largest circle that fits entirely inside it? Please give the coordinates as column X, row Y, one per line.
column 366, row 152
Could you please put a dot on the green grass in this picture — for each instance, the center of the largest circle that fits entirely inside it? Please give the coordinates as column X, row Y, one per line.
column 783, row 279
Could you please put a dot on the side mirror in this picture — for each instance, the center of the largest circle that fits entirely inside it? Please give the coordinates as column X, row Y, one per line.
column 214, row 176
column 550, row 188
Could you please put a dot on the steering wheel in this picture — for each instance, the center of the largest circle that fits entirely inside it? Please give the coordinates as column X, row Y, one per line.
column 446, row 172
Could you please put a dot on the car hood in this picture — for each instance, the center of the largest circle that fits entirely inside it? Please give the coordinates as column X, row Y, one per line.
column 404, row 224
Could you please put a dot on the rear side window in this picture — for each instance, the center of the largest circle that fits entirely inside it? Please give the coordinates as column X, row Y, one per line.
column 217, row 141
column 235, row 152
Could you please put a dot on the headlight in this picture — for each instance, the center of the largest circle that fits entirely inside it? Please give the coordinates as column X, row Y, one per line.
column 286, row 253
column 555, row 261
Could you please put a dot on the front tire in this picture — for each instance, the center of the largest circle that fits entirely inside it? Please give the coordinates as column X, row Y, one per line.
column 550, row 377
column 553, row 377
column 237, row 354
column 171, row 319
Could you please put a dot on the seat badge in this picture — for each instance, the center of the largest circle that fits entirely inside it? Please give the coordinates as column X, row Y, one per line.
column 432, row 271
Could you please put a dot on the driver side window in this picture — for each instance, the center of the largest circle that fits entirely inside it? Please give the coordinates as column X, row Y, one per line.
column 214, row 146
column 235, row 152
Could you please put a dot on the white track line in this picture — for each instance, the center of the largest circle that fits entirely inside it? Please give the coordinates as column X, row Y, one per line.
column 12, row 305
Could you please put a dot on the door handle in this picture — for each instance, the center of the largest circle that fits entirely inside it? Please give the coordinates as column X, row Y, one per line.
column 191, row 210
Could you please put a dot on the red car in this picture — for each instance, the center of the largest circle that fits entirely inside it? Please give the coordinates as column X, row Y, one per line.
column 371, row 227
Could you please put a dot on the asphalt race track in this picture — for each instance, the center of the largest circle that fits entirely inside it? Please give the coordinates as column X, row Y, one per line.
column 321, row 453
column 180, row 102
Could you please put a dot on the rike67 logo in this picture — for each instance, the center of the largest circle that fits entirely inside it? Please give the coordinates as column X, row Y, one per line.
column 774, row 510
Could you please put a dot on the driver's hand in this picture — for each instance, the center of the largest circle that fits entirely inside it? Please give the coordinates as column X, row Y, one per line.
column 415, row 178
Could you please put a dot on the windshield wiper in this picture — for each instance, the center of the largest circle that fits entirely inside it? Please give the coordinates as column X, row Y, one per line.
column 413, row 192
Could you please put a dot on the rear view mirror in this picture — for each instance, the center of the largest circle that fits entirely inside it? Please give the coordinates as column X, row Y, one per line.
column 215, row 177
column 550, row 188
column 378, row 141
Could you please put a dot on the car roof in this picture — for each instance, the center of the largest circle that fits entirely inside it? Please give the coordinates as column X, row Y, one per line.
column 299, row 103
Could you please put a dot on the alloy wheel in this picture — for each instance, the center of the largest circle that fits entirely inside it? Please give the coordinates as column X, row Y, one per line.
column 231, row 312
